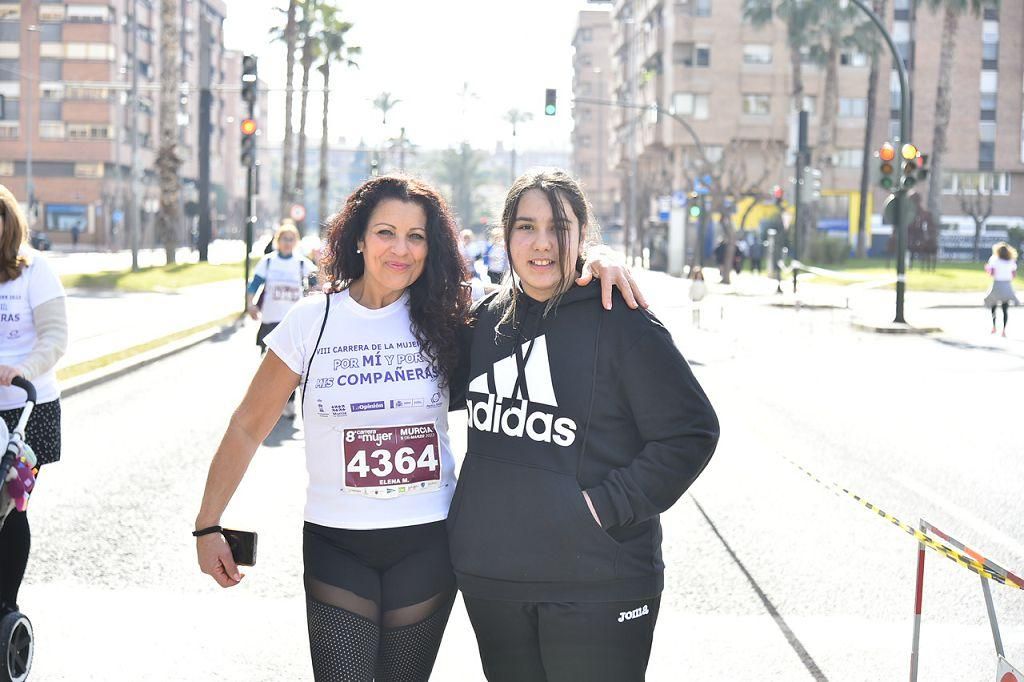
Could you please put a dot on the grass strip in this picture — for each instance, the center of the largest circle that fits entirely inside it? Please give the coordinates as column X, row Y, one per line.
column 157, row 278
column 81, row 368
column 946, row 278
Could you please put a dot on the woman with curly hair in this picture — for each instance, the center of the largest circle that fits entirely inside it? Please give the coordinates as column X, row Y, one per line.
column 1002, row 268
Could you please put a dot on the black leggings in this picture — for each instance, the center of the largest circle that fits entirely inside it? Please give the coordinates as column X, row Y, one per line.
column 1006, row 314
column 377, row 601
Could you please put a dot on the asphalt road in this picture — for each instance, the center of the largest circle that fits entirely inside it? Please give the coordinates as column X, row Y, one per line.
column 771, row 575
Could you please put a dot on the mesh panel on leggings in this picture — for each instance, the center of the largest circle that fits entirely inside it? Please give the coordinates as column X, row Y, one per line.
column 342, row 645
column 407, row 653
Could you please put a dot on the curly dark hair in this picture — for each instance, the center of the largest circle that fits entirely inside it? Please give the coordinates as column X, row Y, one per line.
column 438, row 300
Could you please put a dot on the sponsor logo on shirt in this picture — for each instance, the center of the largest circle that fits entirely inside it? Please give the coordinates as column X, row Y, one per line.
column 324, row 382
column 519, row 417
column 400, row 404
column 366, row 407
column 635, row 613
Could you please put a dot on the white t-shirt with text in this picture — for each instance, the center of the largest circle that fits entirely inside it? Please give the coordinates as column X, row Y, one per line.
column 37, row 284
column 375, row 417
column 283, row 285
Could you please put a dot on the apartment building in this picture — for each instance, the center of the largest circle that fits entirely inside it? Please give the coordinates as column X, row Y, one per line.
column 65, row 129
column 732, row 85
column 592, row 79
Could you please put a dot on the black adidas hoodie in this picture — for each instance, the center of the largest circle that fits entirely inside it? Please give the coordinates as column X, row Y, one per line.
column 583, row 399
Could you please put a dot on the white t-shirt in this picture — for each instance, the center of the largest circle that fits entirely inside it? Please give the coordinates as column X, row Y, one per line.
column 1002, row 270
column 375, row 419
column 284, row 283
column 37, row 284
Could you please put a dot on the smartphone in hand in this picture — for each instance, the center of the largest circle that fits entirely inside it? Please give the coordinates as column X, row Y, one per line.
column 242, row 544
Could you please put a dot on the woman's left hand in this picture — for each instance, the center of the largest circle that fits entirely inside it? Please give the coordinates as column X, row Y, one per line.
column 7, row 374
column 612, row 271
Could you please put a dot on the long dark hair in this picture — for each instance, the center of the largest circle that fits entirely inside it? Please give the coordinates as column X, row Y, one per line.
column 556, row 184
column 438, row 301
column 15, row 233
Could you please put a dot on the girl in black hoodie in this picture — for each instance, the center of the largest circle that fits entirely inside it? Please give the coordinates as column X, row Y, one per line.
column 584, row 425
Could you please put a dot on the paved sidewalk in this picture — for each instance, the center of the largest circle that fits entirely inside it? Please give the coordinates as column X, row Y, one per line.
column 105, row 322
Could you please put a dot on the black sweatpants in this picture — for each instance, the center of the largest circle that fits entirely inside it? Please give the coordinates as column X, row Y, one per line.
column 563, row 642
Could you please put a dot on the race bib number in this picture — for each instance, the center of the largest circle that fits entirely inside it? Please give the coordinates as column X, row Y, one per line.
column 283, row 292
column 388, row 461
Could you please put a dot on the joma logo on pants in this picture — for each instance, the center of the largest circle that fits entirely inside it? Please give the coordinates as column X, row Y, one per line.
column 635, row 613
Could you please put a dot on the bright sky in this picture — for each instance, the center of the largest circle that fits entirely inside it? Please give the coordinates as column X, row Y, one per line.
column 422, row 52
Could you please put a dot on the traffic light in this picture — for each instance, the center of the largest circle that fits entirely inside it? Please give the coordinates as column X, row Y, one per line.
column 910, row 156
column 696, row 206
column 248, row 154
column 887, row 155
column 778, row 194
column 812, row 183
column 549, row 102
column 249, row 79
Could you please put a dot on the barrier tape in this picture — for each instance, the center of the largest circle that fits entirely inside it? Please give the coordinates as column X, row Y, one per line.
column 983, row 568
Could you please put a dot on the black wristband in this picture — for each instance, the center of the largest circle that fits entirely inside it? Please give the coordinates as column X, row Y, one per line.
column 206, row 531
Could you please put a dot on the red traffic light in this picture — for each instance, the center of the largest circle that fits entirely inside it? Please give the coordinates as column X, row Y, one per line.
column 777, row 193
column 248, row 126
column 887, row 152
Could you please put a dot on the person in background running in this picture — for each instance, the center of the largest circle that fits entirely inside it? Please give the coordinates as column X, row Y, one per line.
column 284, row 276
column 1002, row 266
column 33, row 337
column 584, row 426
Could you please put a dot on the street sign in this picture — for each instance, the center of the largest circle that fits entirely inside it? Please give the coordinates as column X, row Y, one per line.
column 664, row 207
column 702, row 185
column 297, row 212
column 1007, row 673
column 678, row 199
column 889, row 215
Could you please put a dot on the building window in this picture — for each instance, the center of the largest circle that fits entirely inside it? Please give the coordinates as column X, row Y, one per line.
column 62, row 217
column 757, row 105
column 50, row 70
column 97, row 14
column 10, row 32
column 852, row 107
column 51, row 12
column 989, row 81
column 10, row 11
column 682, row 54
column 6, row 168
column 986, row 155
column 690, row 104
column 702, row 55
column 51, row 33
column 701, row 8
column 89, row 170
column 756, row 53
column 586, row 34
column 86, row 92
column 10, row 70
column 988, row 106
column 850, row 158
column 12, row 110
column 51, row 91
column 971, row 183
column 852, row 58
column 50, row 110
column 8, row 130
column 51, row 130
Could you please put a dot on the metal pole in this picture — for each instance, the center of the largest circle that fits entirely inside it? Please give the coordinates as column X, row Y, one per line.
column 802, row 160
column 915, row 646
column 634, row 169
column 29, row 133
column 133, row 187
column 250, row 218
column 600, row 148
column 992, row 616
column 906, row 132
column 205, row 105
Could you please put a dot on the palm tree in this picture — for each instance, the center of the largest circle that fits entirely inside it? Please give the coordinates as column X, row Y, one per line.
column 952, row 11
column 461, row 172
column 289, row 36
column 333, row 48
column 310, row 51
column 385, row 103
column 167, row 160
column 515, row 117
column 880, row 8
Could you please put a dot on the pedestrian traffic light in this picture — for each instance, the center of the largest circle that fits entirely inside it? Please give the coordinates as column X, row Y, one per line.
column 249, row 78
column 248, row 145
column 887, row 155
column 549, row 102
column 778, row 194
column 696, row 207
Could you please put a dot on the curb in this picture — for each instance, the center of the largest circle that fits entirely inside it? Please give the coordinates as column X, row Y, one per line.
column 137, row 357
column 893, row 328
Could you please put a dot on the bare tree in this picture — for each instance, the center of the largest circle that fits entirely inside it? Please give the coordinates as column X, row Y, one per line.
column 978, row 205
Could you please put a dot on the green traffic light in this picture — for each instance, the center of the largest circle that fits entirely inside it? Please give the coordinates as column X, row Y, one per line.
column 549, row 110
column 695, row 211
column 886, row 183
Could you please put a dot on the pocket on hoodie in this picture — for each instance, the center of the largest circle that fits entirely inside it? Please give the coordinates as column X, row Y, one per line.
column 526, row 524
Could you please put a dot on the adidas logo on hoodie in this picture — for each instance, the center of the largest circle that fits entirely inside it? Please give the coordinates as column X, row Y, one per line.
column 520, row 418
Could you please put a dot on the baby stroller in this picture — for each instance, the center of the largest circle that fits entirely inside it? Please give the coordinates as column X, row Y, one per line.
column 17, row 478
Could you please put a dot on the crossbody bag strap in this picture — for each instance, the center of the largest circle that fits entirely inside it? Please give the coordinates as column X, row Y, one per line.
column 305, row 380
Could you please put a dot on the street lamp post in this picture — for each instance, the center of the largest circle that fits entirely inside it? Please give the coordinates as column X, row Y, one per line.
column 29, row 133
column 906, row 121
